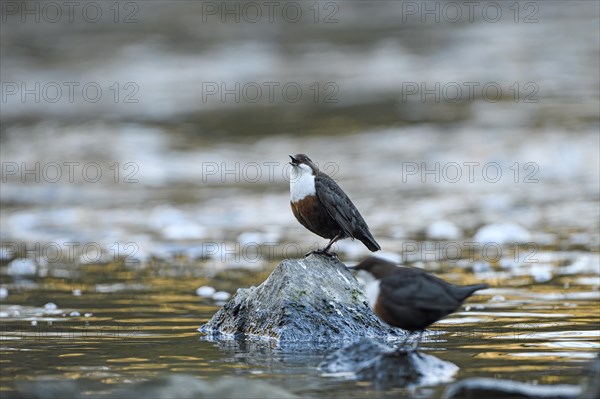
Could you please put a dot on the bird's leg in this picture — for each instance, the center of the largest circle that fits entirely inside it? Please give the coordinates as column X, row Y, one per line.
column 333, row 240
column 413, row 347
column 404, row 342
column 321, row 252
column 407, row 345
column 325, row 251
column 403, row 347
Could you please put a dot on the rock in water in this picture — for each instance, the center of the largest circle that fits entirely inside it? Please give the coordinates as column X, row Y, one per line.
column 371, row 360
column 590, row 383
column 315, row 299
column 167, row 386
column 475, row 388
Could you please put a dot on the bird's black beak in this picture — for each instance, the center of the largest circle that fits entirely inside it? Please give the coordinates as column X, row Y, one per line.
column 294, row 161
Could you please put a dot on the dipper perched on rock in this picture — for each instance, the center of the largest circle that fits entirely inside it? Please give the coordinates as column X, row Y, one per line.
column 322, row 207
column 411, row 298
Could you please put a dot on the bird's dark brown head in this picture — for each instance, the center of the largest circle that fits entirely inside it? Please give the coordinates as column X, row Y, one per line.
column 378, row 267
column 302, row 159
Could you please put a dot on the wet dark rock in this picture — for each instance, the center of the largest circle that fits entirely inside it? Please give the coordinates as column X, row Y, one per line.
column 477, row 388
column 48, row 389
column 314, row 300
column 375, row 361
column 184, row 387
column 178, row 386
column 590, row 385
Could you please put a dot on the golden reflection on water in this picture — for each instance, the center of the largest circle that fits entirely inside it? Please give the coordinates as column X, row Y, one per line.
column 180, row 358
column 127, row 360
column 144, row 323
column 514, row 368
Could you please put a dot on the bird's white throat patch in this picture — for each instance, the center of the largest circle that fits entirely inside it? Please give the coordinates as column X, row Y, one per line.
column 371, row 285
column 372, row 292
column 302, row 182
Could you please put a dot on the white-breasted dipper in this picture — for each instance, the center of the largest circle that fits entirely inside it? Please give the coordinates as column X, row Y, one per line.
column 321, row 206
column 411, row 298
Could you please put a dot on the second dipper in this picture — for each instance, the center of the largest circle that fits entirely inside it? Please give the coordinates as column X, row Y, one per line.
column 408, row 297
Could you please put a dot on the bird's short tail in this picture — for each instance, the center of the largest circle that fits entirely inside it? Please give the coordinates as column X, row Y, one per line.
column 370, row 242
column 466, row 291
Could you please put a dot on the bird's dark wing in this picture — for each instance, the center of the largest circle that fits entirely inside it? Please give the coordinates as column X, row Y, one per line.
column 337, row 204
column 419, row 290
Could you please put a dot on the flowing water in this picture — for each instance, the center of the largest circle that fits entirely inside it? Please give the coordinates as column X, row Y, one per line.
column 139, row 323
column 134, row 206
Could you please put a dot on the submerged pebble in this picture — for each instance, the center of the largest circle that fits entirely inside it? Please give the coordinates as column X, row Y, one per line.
column 251, row 238
column 481, row 266
column 502, row 233
column 22, row 267
column 205, row 291
column 443, row 230
column 587, row 263
column 184, row 231
column 221, row 296
column 50, row 306
column 541, row 273
column 369, row 359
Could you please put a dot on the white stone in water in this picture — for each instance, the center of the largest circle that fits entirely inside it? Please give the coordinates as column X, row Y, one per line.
column 496, row 388
column 87, row 314
column 3, row 292
column 22, row 267
column 541, row 273
column 376, row 361
column 77, row 292
column 50, row 306
column 250, row 237
column 74, row 314
column 502, row 233
column 583, row 264
column 497, row 298
column 221, row 296
column 481, row 266
column 508, row 263
column 205, row 291
column 184, row 231
column 443, row 230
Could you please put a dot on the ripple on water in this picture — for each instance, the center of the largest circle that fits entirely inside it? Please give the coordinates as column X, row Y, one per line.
column 554, row 355
column 567, row 344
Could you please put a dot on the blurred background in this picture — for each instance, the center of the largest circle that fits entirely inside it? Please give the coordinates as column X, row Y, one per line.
column 144, row 149
column 173, row 124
